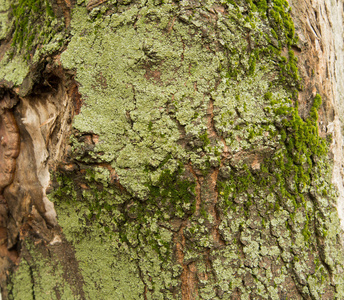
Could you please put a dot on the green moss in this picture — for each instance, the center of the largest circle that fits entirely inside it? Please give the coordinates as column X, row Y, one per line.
column 291, row 168
column 174, row 194
column 282, row 22
column 204, row 138
column 34, row 25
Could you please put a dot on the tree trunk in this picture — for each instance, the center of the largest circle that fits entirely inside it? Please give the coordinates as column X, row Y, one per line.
column 171, row 149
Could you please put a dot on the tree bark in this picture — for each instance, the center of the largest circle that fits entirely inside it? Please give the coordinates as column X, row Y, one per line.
column 171, row 149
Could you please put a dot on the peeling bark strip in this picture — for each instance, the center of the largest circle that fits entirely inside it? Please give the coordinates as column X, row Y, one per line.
column 10, row 145
column 9, row 151
column 172, row 150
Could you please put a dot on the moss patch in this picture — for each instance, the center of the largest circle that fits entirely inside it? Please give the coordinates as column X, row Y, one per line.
column 34, row 24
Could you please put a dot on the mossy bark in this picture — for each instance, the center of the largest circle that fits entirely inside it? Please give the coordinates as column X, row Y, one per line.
column 175, row 152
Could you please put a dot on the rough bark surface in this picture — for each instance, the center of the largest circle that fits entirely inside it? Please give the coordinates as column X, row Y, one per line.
column 171, row 150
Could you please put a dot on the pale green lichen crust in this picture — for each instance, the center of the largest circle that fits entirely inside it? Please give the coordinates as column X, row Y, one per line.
column 13, row 70
column 200, row 147
column 40, row 276
column 5, row 22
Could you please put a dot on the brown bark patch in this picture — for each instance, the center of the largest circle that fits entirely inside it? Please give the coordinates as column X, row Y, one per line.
column 74, row 94
column 101, row 80
column 197, row 189
column 94, row 3
column 9, row 145
column 153, row 74
column 188, row 277
column 65, row 6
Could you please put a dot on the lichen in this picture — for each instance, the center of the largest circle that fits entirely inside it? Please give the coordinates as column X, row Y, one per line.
column 136, row 106
column 39, row 278
column 200, row 145
column 5, row 21
column 131, row 248
column 22, row 285
column 13, row 70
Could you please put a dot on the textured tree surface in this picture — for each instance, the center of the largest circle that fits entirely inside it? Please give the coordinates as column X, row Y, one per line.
column 171, row 149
